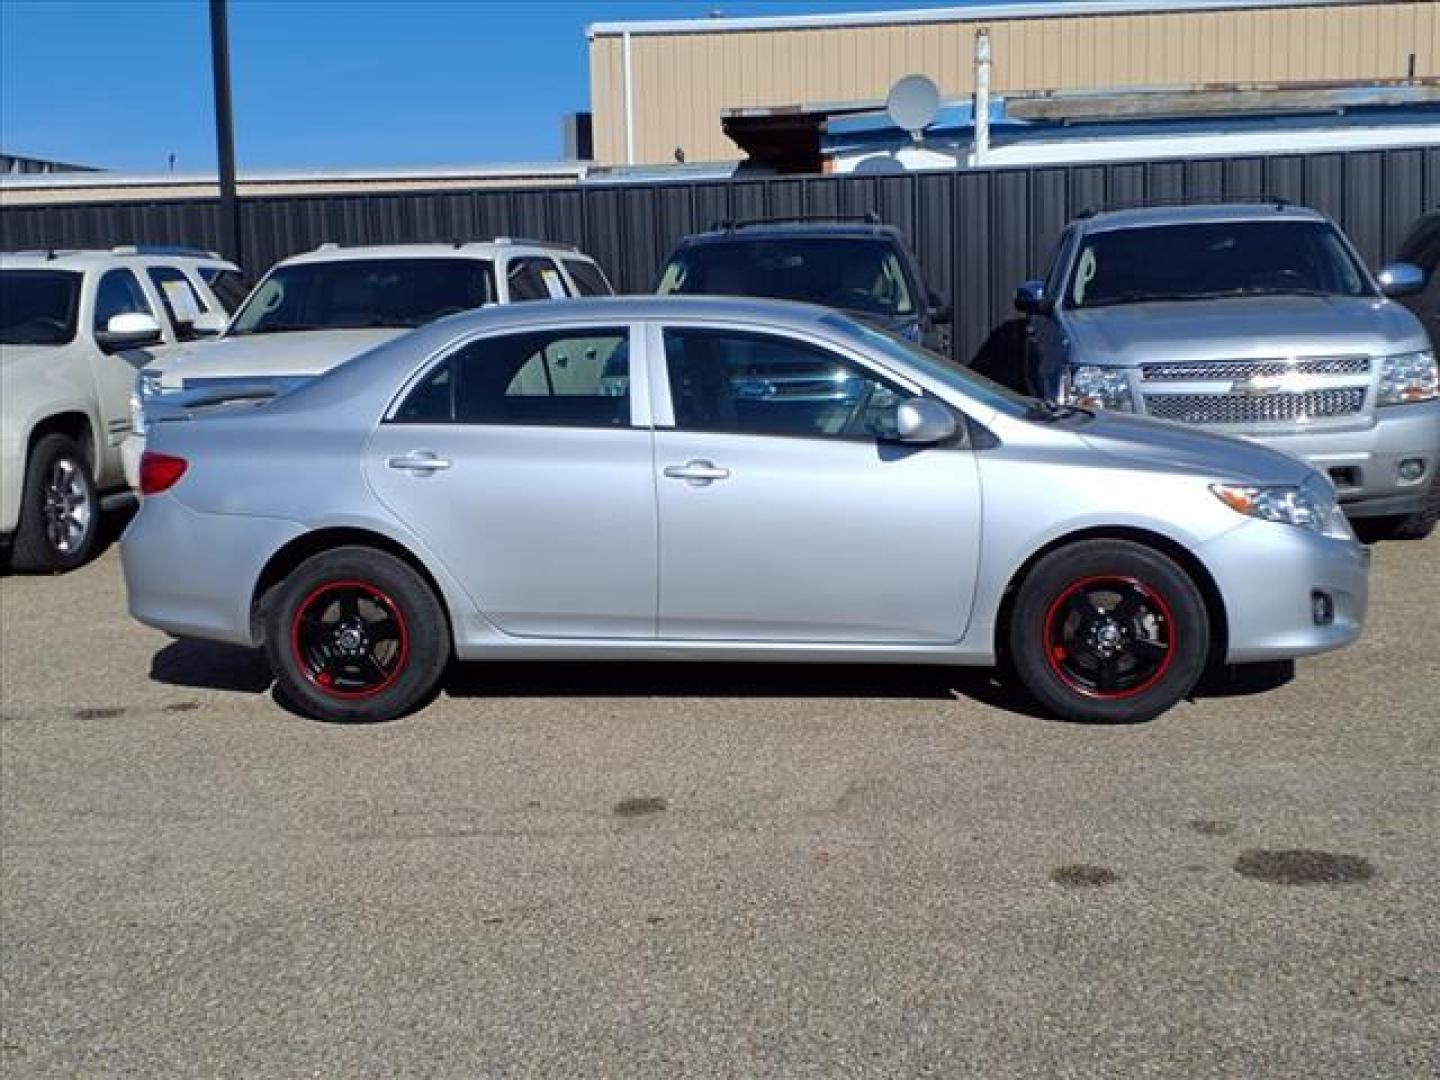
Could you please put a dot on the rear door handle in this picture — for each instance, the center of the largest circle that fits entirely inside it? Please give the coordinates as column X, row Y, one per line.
column 418, row 461
column 697, row 473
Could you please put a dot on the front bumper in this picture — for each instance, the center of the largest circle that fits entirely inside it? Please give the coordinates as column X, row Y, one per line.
column 1269, row 576
column 1365, row 464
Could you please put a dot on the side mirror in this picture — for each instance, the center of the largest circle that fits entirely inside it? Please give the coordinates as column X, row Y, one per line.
column 1401, row 279
column 924, row 422
column 940, row 312
column 208, row 324
column 130, row 330
column 1030, row 299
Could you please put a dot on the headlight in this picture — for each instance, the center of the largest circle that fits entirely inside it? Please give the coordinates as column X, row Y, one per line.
column 1287, row 505
column 147, row 384
column 1408, row 377
column 1092, row 387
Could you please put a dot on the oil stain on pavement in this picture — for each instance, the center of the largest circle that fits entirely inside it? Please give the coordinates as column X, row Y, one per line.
column 640, row 806
column 1083, row 876
column 1302, row 867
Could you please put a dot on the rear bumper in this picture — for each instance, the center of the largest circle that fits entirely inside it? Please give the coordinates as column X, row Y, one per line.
column 1365, row 464
column 1269, row 576
column 191, row 574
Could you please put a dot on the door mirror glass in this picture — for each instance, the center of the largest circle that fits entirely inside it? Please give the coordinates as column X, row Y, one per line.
column 129, row 330
column 1030, row 299
column 923, row 422
column 1401, row 279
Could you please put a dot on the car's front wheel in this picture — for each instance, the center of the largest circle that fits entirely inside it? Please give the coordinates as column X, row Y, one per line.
column 355, row 634
column 1108, row 631
column 59, row 509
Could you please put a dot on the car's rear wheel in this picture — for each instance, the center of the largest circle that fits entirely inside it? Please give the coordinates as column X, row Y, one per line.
column 355, row 634
column 1108, row 631
column 59, row 509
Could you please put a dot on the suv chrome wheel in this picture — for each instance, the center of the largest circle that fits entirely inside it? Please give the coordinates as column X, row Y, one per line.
column 68, row 506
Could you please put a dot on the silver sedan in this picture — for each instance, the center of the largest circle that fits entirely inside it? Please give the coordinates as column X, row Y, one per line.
column 697, row 478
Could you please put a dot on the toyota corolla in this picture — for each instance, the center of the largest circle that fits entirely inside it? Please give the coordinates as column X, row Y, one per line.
column 704, row 478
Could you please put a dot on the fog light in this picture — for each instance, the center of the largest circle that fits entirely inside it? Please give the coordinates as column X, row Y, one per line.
column 1322, row 608
column 1412, row 469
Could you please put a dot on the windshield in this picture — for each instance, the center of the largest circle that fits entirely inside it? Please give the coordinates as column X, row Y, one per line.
column 856, row 274
column 351, row 294
column 1214, row 259
column 37, row 307
column 933, row 366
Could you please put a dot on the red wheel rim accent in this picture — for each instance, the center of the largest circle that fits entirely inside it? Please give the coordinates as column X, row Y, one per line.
column 349, row 639
column 1129, row 645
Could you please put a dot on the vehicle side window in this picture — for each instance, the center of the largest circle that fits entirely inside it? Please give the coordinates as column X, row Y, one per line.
column 560, row 378
column 118, row 294
column 182, row 302
column 227, row 285
column 760, row 384
column 589, row 279
column 534, row 278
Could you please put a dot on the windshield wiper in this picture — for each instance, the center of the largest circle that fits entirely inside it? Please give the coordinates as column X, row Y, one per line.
column 1043, row 409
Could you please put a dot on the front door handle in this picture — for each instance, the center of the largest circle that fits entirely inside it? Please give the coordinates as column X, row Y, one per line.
column 697, row 473
column 423, row 462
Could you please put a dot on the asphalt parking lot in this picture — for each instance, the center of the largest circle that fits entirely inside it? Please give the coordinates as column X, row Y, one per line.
column 684, row 871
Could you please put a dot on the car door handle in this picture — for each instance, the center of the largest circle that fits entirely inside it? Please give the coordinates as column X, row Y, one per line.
column 697, row 472
column 419, row 461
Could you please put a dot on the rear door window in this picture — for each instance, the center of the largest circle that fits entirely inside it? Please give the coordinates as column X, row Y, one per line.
column 227, row 285
column 576, row 377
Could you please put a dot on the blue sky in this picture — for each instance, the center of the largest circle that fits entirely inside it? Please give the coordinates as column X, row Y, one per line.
column 324, row 83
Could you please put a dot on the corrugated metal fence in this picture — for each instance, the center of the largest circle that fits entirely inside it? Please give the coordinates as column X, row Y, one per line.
column 977, row 234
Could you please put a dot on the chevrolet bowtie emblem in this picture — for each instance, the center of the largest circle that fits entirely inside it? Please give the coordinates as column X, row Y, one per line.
column 1258, row 385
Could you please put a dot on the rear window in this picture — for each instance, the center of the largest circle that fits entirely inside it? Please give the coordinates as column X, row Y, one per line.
column 350, row 294
column 854, row 274
column 38, row 307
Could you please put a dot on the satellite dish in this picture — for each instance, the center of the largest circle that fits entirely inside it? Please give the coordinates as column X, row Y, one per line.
column 913, row 104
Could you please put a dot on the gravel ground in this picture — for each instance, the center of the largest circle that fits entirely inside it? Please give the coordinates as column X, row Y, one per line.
column 641, row 870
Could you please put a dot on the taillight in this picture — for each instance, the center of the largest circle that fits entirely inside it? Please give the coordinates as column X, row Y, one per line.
column 159, row 472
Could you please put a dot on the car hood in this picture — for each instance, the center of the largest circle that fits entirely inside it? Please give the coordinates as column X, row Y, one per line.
column 261, row 356
column 1239, row 328
column 1147, row 442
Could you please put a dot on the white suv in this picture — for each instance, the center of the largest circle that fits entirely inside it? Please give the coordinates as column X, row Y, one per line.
column 75, row 326
column 316, row 310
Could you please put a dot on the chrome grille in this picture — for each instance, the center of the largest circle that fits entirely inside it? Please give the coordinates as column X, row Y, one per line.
column 1246, row 369
column 1265, row 409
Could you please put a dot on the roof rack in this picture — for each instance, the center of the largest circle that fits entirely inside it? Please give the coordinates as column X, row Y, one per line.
column 163, row 249
column 1277, row 201
column 869, row 217
column 556, row 244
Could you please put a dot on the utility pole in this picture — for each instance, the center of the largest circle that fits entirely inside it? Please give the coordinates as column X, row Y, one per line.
column 224, row 130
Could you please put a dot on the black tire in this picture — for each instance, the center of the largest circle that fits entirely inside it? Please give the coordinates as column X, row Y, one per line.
column 1084, row 656
column 355, row 634
column 59, row 509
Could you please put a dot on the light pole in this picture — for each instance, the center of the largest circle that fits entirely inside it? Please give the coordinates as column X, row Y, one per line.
column 224, row 130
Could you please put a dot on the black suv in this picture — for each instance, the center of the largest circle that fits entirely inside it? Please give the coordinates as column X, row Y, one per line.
column 860, row 266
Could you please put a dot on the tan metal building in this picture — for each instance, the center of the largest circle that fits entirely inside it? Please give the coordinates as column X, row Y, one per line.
column 659, row 86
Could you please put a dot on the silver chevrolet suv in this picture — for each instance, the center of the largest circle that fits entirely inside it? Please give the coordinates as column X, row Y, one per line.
column 1256, row 320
